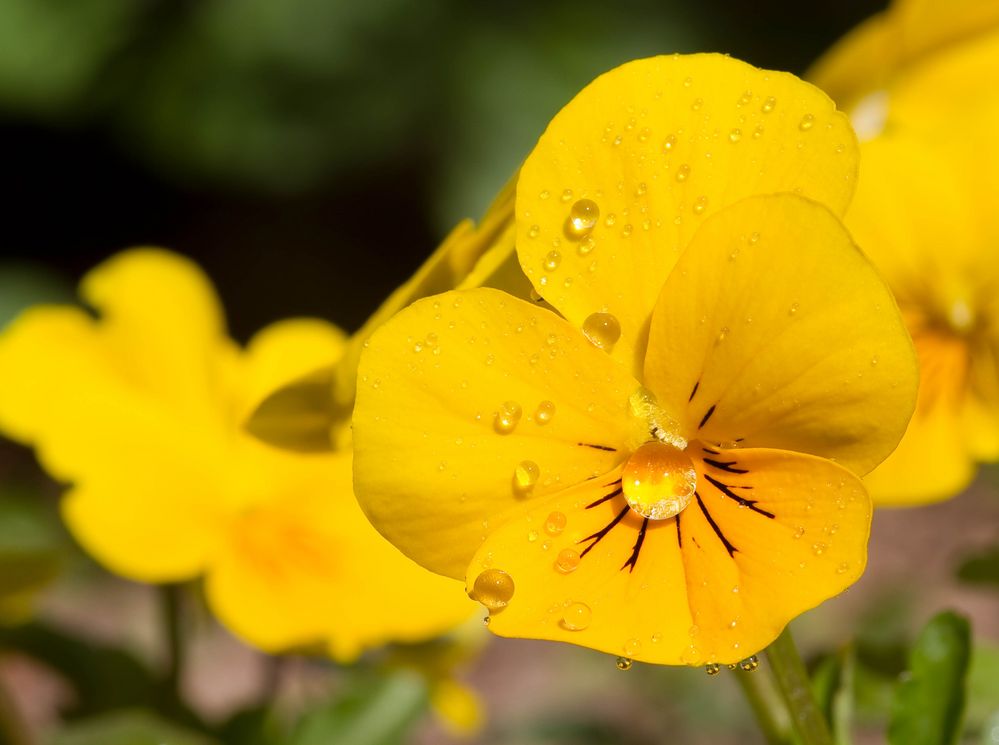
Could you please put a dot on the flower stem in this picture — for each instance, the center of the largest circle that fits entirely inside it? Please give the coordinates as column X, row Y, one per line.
column 772, row 723
column 13, row 728
column 174, row 638
column 795, row 687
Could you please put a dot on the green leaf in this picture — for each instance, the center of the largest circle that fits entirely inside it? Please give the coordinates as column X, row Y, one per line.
column 983, row 686
column 25, row 284
column 982, row 568
column 127, row 728
column 929, row 702
column 373, row 711
column 31, row 553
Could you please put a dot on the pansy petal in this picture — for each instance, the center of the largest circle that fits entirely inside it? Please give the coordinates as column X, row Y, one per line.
column 568, row 558
column 310, row 567
column 629, row 169
column 774, row 331
column 460, row 391
column 772, row 534
column 793, row 535
column 161, row 321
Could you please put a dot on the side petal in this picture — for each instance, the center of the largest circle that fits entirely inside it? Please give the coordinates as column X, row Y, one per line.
column 468, row 403
column 309, row 568
column 774, row 330
column 628, row 170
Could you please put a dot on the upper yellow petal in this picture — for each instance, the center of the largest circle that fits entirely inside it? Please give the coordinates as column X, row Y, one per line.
column 774, row 331
column 460, row 391
column 648, row 151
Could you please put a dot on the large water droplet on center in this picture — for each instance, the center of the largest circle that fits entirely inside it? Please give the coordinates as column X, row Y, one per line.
column 493, row 588
column 659, row 480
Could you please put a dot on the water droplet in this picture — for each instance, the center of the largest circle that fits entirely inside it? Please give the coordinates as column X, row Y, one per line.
column 567, row 561
column 806, row 123
column 700, row 204
column 641, row 189
column 687, row 82
column 799, row 531
column 576, row 617
column 683, row 172
column 532, row 536
column 632, row 647
column 545, row 194
column 750, row 664
column 626, row 230
column 696, row 105
column 735, row 135
column 623, row 663
column 669, row 143
column 507, row 418
column 842, row 568
column 493, row 588
column 712, row 668
column 602, row 330
column 758, row 131
column 544, row 413
column 768, row 105
column 793, row 309
column 658, row 480
column 644, row 135
column 566, row 195
column 552, row 260
column 555, row 523
column 533, row 231
column 583, row 216
column 526, row 475
column 745, row 98
column 486, row 620
column 586, row 245
column 610, row 220
column 819, row 548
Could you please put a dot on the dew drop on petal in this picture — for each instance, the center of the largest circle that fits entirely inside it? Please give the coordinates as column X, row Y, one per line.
column 806, row 123
column 750, row 664
column 700, row 204
column 507, row 418
column 493, row 588
column 819, row 548
column 533, row 231
column 586, row 245
column 712, row 668
column 735, row 135
column 555, row 523
column 768, row 105
column 583, row 216
column 602, row 330
column 669, row 143
column 683, row 172
column 552, row 260
column 567, row 561
column 576, row 617
column 566, row 195
column 623, row 663
column 526, row 475
column 658, row 480
column 544, row 413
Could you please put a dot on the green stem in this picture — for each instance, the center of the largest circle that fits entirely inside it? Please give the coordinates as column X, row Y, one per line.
column 795, row 687
column 174, row 638
column 13, row 728
column 771, row 723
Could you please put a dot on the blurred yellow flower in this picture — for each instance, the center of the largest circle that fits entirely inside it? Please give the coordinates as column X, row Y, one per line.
column 917, row 80
column 914, row 65
column 651, row 472
column 140, row 410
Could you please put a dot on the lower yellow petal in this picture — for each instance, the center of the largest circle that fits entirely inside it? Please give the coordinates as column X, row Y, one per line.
column 770, row 535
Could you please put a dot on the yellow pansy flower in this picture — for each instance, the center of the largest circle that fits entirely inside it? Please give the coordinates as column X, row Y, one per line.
column 912, row 65
column 650, row 471
column 926, row 216
column 140, row 409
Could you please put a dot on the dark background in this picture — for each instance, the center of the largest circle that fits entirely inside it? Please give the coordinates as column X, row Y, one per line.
column 310, row 153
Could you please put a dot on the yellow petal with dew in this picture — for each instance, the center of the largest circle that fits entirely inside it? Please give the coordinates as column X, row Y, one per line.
column 769, row 535
column 774, row 330
column 630, row 168
column 469, row 403
column 772, row 534
column 448, row 267
column 567, row 559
